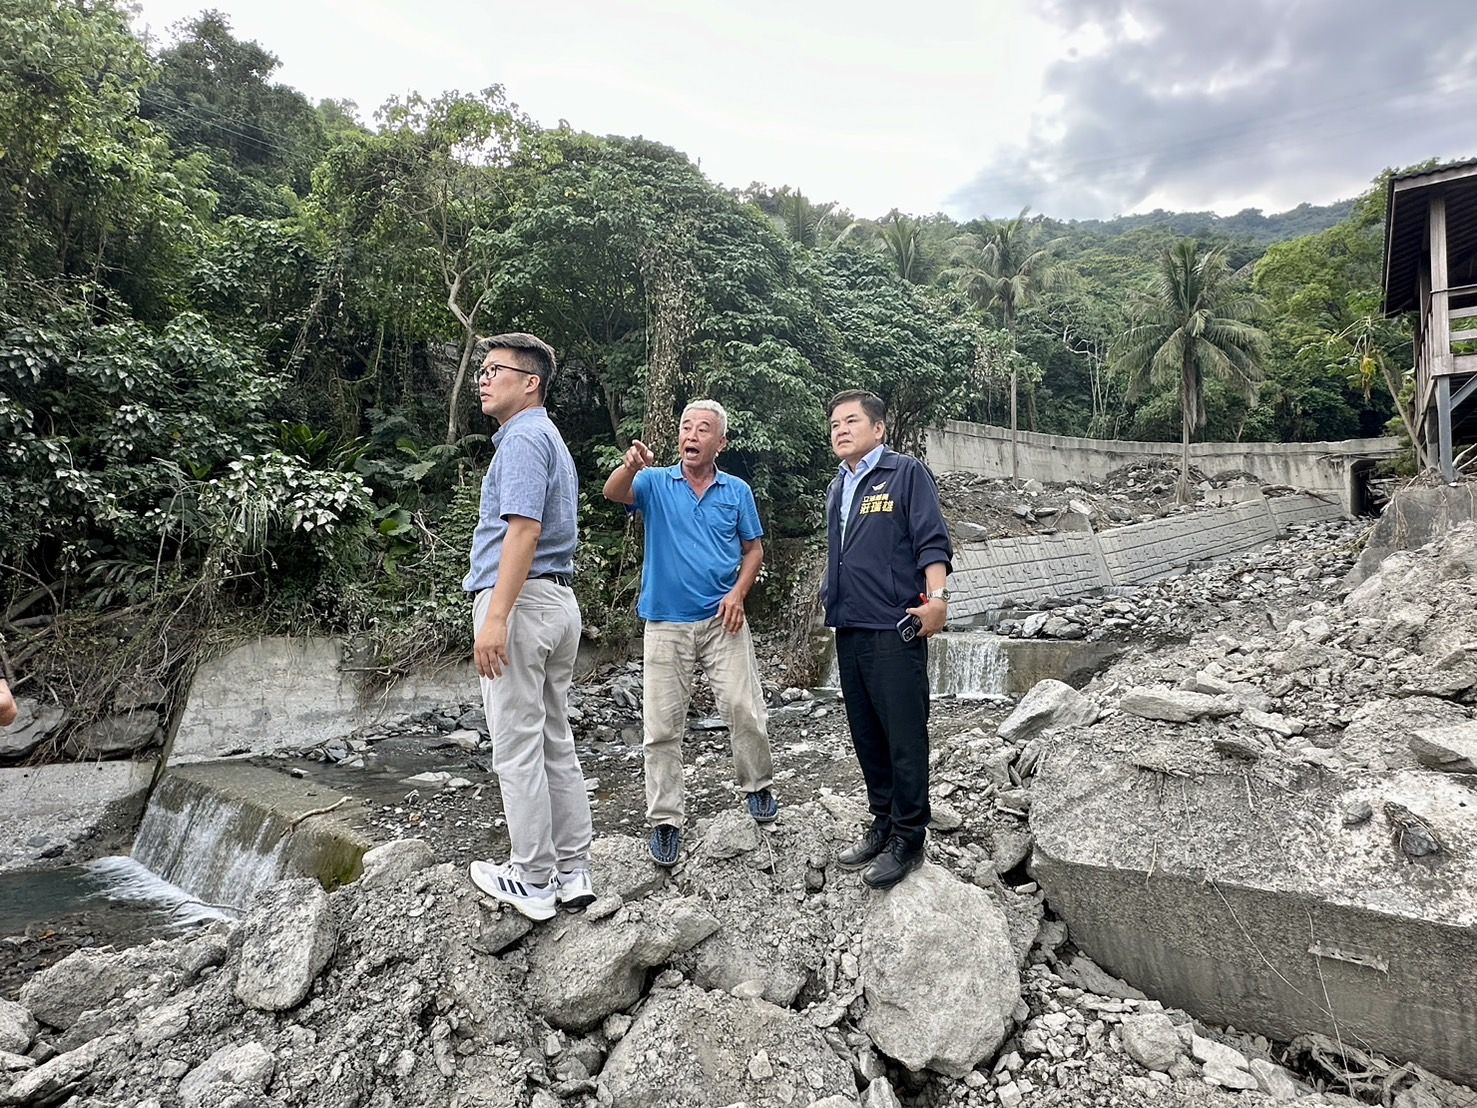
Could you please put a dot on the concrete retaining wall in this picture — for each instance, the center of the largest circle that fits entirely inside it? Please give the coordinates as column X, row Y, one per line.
column 1146, row 552
column 1321, row 467
column 277, row 691
column 1023, row 571
column 1020, row 571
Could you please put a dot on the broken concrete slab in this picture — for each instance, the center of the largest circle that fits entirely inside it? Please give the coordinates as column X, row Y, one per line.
column 1268, row 911
column 46, row 812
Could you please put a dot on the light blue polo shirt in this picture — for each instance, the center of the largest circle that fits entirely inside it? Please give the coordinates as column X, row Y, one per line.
column 693, row 546
column 531, row 475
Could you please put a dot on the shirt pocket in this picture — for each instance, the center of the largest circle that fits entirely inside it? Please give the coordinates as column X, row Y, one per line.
column 724, row 520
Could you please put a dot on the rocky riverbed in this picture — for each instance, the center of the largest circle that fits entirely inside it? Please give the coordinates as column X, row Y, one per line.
column 757, row 972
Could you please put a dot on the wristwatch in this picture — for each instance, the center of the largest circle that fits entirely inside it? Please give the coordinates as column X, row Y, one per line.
column 939, row 594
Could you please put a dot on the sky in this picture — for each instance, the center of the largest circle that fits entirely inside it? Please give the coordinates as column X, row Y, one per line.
column 1076, row 108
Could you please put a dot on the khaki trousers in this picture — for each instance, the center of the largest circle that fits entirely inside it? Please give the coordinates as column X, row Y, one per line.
column 670, row 651
column 543, row 789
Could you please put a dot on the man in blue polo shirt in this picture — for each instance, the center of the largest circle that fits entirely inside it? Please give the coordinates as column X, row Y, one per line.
column 703, row 553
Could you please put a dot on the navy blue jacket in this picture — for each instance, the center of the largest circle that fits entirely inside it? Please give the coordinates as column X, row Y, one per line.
column 895, row 530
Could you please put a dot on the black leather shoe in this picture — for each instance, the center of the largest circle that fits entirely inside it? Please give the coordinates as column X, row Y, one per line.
column 893, row 864
column 859, row 853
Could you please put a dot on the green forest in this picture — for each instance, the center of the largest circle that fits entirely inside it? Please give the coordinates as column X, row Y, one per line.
column 236, row 330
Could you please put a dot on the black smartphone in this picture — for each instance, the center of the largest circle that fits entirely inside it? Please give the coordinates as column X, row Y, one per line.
column 909, row 626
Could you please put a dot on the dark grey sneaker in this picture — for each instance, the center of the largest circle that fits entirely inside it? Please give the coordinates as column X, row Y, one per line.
column 763, row 807
column 666, row 844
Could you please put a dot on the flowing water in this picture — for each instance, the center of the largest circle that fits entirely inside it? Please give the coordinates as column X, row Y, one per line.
column 970, row 665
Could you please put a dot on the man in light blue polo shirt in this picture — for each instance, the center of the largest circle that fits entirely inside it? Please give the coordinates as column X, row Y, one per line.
column 703, row 553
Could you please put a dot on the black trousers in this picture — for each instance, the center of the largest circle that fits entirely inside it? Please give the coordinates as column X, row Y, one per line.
column 885, row 684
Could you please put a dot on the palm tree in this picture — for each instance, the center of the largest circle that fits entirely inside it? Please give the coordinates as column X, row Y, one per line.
column 1193, row 320
column 902, row 241
column 1005, row 270
column 804, row 222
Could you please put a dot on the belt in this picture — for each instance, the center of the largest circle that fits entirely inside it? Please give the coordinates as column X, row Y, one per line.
column 564, row 579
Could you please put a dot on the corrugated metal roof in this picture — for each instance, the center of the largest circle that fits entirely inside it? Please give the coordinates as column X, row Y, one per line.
column 1405, row 225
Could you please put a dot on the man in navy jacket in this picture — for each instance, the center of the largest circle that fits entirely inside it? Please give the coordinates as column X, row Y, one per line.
column 888, row 559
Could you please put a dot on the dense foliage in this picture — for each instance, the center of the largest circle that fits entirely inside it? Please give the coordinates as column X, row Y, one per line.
column 236, row 327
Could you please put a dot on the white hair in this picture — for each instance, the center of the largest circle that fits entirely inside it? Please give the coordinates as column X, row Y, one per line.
column 710, row 406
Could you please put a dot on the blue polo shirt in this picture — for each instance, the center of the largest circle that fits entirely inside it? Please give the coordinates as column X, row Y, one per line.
column 693, row 547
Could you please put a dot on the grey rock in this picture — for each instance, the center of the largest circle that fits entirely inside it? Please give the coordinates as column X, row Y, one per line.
column 622, row 866
column 1278, row 724
column 1451, row 749
column 1049, row 704
column 83, row 980
column 392, row 862
column 1174, row 705
column 34, row 721
column 939, row 973
column 52, row 1080
column 289, row 936
column 501, row 926
column 11, row 1065
column 1086, row 974
column 162, row 1024
column 879, row 1094
column 1151, row 1040
column 706, row 1041
column 1357, row 812
column 730, row 834
column 1208, row 1050
column 1228, row 1076
column 17, row 1027
column 944, row 816
column 116, row 736
column 729, row 960
column 581, row 973
column 246, row 1066
column 1275, row 1081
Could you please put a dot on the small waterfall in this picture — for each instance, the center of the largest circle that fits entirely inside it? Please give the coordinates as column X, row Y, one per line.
column 967, row 664
column 211, row 844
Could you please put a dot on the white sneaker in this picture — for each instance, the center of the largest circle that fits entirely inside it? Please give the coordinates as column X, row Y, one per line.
column 505, row 881
column 574, row 888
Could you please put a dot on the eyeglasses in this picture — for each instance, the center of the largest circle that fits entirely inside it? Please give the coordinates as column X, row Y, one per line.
column 489, row 371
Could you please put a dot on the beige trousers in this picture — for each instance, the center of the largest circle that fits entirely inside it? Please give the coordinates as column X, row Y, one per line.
column 543, row 789
column 670, row 651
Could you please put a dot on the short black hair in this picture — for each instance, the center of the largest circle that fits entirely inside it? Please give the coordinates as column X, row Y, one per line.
column 872, row 404
column 534, row 353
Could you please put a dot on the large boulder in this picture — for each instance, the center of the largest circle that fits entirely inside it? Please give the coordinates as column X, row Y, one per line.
column 938, row 972
column 289, row 936
column 1049, row 704
column 247, row 1066
column 392, row 862
column 584, row 971
column 83, row 980
column 694, row 1049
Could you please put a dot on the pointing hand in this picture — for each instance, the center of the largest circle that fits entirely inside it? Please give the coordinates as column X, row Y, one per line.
column 639, row 456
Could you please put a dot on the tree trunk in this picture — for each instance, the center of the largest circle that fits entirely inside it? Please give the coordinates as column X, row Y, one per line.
column 1014, row 432
column 1182, row 493
column 670, row 323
